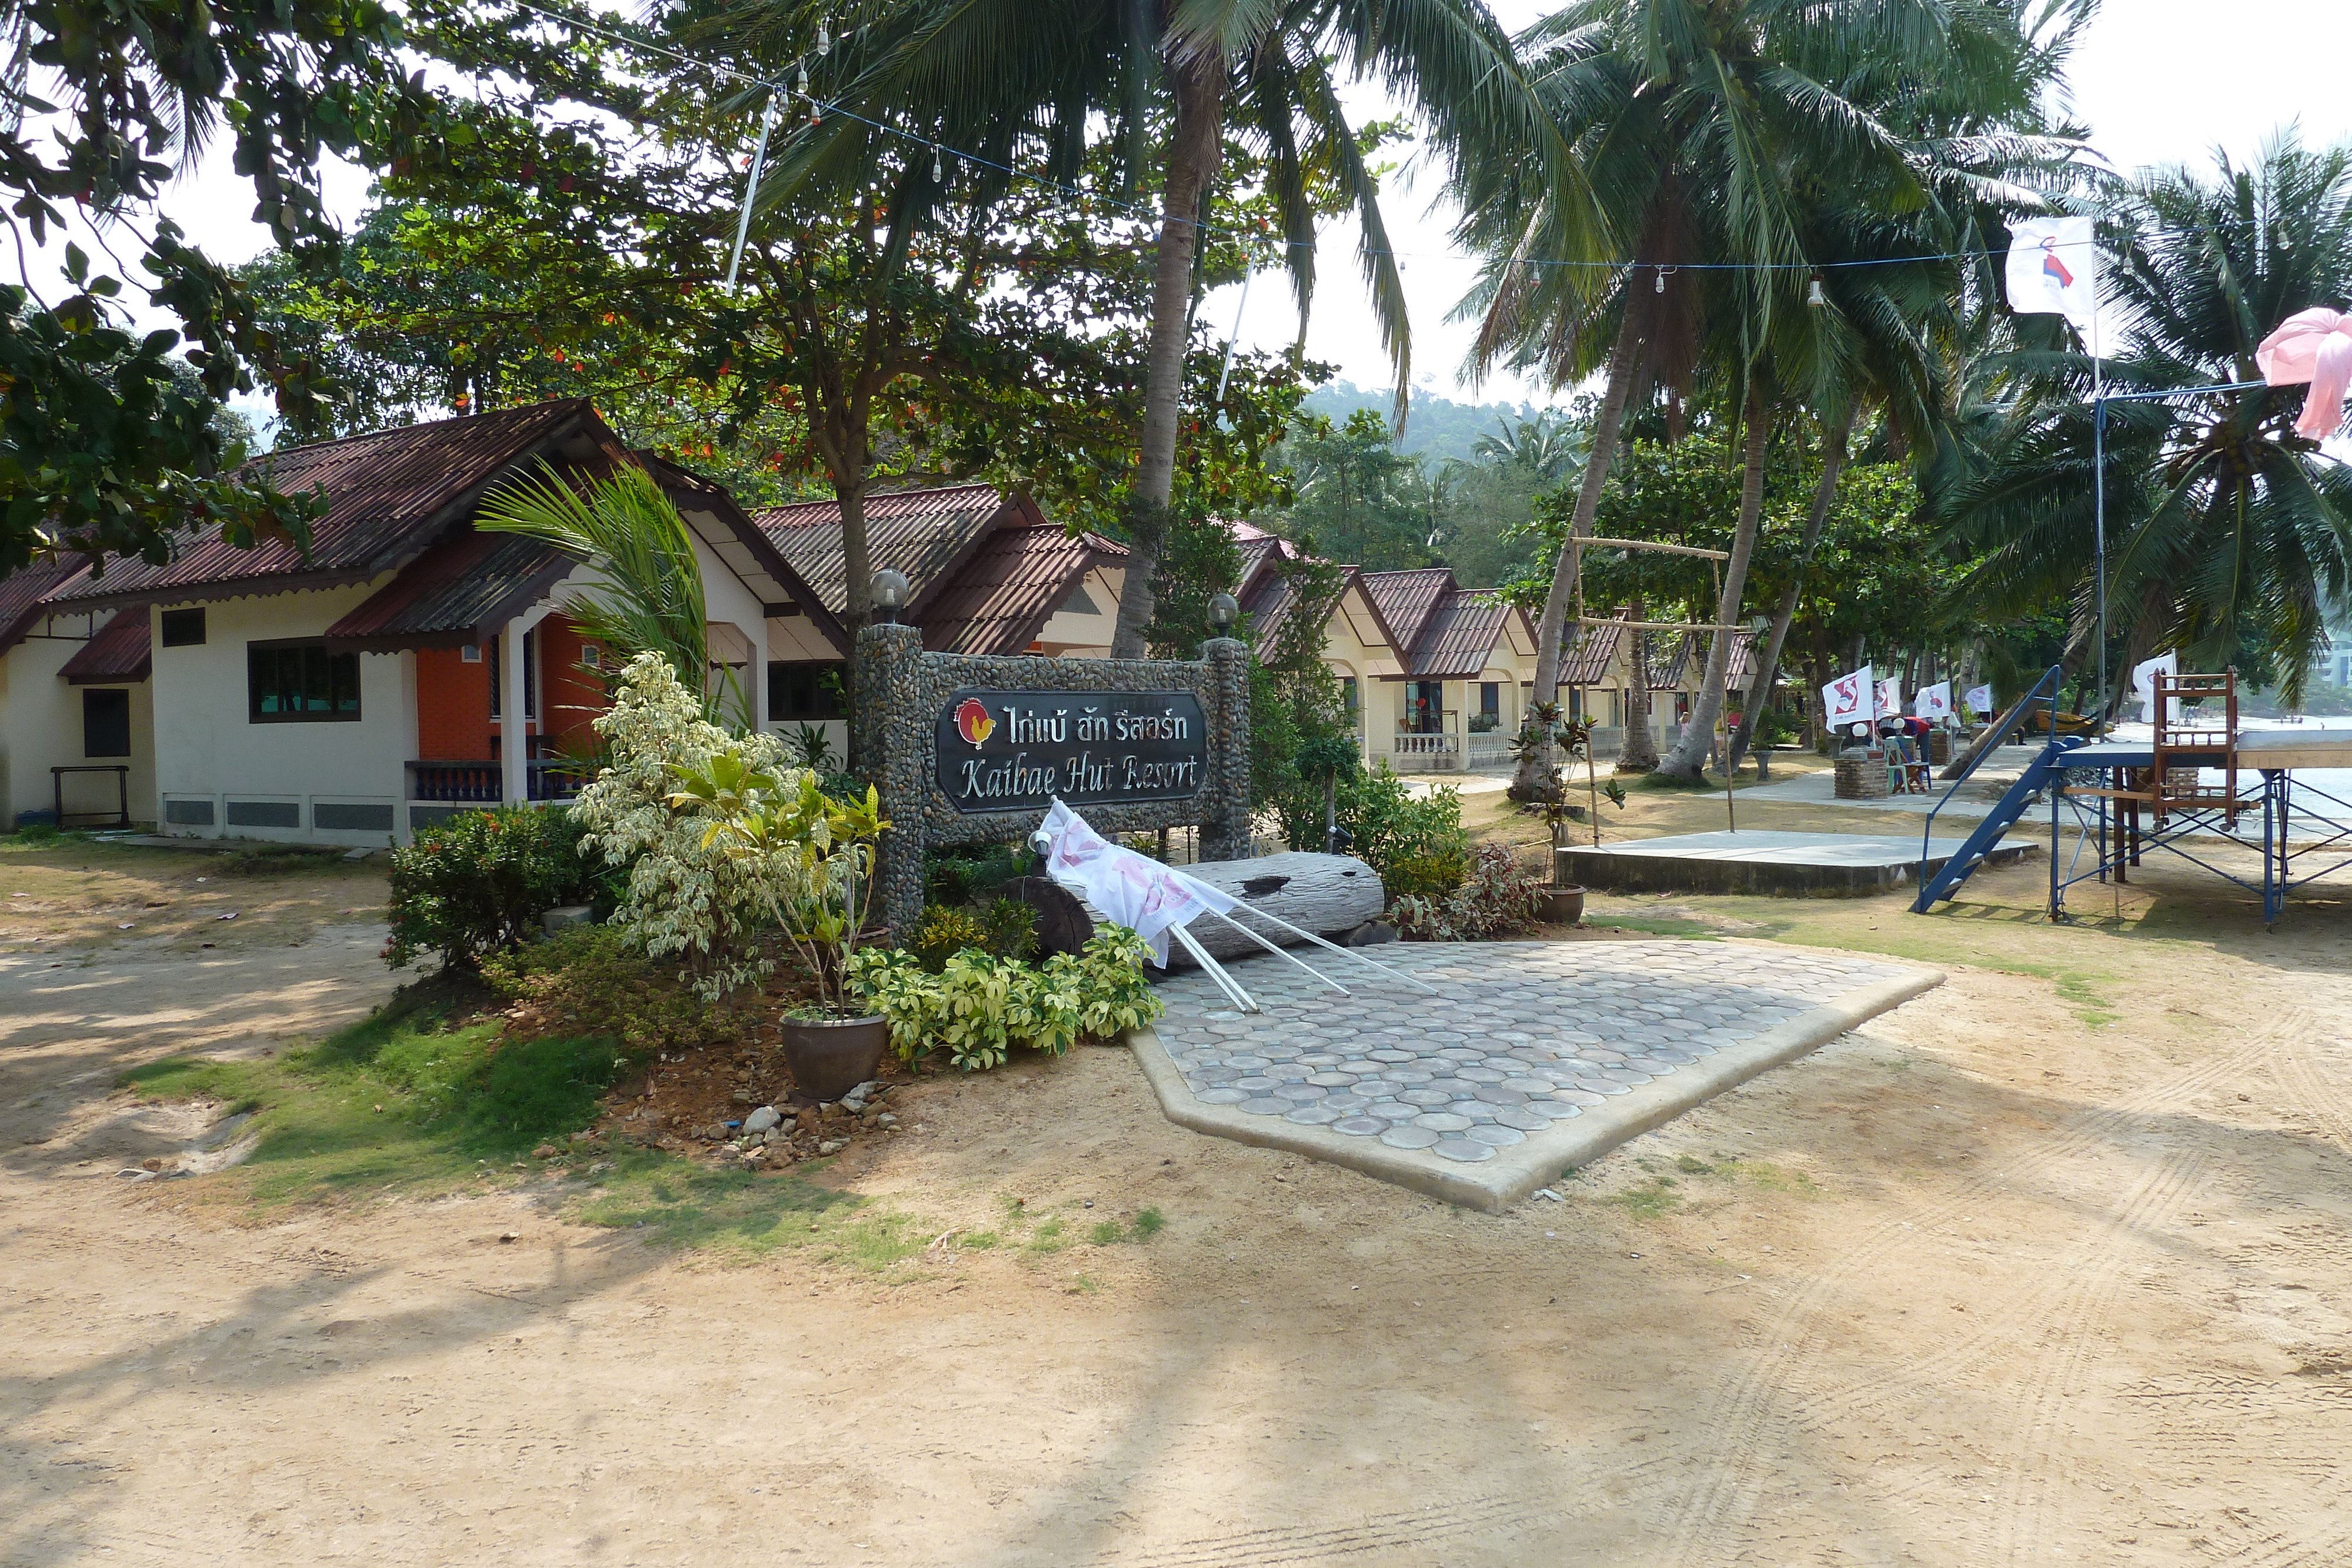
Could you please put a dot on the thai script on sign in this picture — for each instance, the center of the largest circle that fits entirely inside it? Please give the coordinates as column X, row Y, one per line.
column 1008, row 751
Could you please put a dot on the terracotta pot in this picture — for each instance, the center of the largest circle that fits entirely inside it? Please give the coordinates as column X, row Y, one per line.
column 1563, row 906
column 831, row 1058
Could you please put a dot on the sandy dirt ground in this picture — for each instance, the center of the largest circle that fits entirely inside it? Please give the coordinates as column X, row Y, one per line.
column 2052, row 1265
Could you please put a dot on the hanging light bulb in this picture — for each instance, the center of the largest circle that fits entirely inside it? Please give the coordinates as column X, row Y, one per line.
column 804, row 81
column 824, row 40
column 1662, row 280
column 935, row 166
column 1813, row 295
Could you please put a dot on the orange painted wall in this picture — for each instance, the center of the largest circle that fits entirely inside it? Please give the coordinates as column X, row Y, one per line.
column 452, row 707
column 570, row 698
column 453, row 699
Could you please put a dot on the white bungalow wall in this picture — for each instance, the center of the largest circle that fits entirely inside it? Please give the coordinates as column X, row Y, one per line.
column 41, row 727
column 1082, row 633
column 268, row 780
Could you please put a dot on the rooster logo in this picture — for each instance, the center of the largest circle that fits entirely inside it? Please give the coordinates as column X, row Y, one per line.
column 972, row 722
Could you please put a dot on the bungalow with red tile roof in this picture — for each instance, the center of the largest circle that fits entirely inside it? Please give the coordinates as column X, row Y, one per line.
column 354, row 693
column 1436, row 675
column 406, row 665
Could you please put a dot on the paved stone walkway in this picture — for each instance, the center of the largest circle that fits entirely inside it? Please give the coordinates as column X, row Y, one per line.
column 1523, row 1039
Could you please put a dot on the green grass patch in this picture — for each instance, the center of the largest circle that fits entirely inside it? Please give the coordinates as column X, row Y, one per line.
column 683, row 1205
column 1148, row 1224
column 1656, row 925
column 1650, row 1199
column 398, row 1101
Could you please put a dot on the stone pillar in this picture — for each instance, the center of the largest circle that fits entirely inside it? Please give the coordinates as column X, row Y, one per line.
column 889, row 690
column 1225, row 825
column 514, row 726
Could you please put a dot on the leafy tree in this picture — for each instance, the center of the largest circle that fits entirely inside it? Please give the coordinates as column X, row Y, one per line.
column 101, row 447
column 970, row 73
column 1360, row 500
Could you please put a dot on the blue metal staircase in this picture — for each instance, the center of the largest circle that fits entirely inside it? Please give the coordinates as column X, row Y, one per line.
column 2037, row 777
column 2041, row 774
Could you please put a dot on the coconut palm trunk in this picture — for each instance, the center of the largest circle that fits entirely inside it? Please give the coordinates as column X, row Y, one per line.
column 1194, row 152
column 1532, row 781
column 1768, row 663
column 1638, row 751
column 1689, row 753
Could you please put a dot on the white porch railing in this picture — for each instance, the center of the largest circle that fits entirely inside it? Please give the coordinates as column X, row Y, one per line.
column 1490, row 750
column 1415, row 745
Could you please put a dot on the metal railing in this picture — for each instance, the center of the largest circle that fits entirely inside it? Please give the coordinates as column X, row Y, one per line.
column 1992, row 743
column 484, row 784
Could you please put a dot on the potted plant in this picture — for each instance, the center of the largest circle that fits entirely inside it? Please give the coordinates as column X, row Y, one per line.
column 1563, row 901
column 823, row 848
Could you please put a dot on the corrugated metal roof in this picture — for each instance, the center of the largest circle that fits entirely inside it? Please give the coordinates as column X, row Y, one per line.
column 118, row 655
column 459, row 592
column 382, row 489
column 918, row 532
column 1269, row 607
column 1591, row 655
column 1004, row 591
column 1407, row 599
column 21, row 595
column 1666, row 657
column 1459, row 635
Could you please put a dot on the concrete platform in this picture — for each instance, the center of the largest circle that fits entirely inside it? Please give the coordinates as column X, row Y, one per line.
column 1754, row 861
column 1534, row 1057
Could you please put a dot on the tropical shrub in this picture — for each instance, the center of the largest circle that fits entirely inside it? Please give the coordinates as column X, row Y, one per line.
column 968, row 875
column 1388, row 826
column 817, row 850
column 1004, row 929
column 1499, row 897
column 480, row 880
column 979, row 1006
column 687, row 893
column 588, row 979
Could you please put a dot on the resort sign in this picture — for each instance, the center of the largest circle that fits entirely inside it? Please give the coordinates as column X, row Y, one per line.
column 1013, row 750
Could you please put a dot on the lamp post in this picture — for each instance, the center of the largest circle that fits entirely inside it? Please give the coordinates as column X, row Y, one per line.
column 1224, row 610
column 890, row 594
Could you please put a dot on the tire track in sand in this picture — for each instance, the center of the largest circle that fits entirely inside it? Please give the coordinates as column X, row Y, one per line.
column 1745, row 1411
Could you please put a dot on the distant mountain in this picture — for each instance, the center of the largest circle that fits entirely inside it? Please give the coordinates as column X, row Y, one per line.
column 1438, row 428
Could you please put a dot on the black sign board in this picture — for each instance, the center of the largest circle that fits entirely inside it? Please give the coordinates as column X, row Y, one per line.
column 1015, row 751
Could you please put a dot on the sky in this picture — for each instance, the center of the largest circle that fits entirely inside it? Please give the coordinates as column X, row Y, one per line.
column 2157, row 81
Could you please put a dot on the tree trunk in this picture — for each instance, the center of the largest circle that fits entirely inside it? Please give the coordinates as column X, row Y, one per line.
column 1532, row 780
column 1767, row 663
column 1690, row 752
column 1194, row 152
column 1638, row 752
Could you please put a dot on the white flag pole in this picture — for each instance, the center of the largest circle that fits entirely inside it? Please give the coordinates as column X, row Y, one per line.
column 2098, row 483
column 751, row 189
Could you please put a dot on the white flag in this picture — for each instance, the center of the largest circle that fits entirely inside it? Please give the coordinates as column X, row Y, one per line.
column 1138, row 894
column 2144, row 682
column 1847, row 698
column 1935, row 702
column 2053, row 269
column 1890, row 697
column 1979, row 699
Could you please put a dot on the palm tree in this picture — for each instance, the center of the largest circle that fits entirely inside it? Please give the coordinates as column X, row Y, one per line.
column 2227, row 531
column 647, row 593
column 1546, row 448
column 1706, row 130
column 986, row 73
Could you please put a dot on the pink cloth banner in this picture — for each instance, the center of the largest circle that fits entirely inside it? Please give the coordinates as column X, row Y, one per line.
column 2313, row 346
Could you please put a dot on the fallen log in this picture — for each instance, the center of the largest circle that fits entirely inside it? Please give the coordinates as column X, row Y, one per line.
column 1328, row 894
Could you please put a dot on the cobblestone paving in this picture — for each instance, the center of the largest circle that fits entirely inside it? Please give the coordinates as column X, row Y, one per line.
column 1522, row 1034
